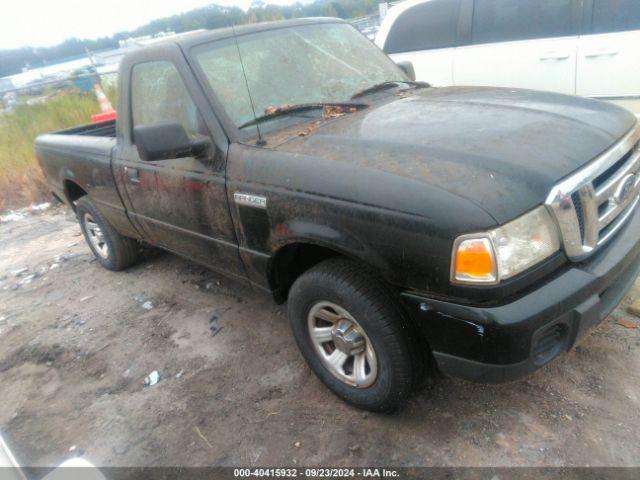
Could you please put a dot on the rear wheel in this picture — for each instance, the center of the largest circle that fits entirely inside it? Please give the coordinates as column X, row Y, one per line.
column 353, row 335
column 112, row 250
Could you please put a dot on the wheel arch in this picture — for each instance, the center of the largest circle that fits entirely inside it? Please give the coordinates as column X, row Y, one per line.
column 296, row 255
column 73, row 191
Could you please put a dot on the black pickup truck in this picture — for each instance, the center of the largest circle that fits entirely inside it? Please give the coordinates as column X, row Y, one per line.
column 478, row 232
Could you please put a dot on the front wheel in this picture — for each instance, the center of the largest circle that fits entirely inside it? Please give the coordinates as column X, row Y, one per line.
column 354, row 335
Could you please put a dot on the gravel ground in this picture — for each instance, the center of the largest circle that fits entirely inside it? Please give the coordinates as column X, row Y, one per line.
column 77, row 341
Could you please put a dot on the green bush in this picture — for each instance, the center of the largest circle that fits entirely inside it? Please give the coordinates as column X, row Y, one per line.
column 21, row 181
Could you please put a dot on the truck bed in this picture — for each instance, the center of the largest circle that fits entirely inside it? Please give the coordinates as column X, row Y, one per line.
column 82, row 154
column 102, row 129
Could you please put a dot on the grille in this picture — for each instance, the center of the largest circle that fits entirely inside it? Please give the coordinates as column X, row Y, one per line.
column 611, row 171
column 594, row 203
column 575, row 198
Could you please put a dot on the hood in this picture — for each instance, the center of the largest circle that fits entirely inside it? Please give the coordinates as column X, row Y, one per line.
column 502, row 149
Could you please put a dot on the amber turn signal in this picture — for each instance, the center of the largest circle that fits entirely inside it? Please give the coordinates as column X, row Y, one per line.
column 475, row 261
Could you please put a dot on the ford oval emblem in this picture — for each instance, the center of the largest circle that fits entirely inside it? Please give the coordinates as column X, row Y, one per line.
column 625, row 188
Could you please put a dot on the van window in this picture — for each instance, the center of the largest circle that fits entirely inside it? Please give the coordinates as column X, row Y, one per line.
column 510, row 20
column 429, row 25
column 616, row 15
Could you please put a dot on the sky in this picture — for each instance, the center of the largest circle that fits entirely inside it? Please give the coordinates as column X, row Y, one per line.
column 40, row 23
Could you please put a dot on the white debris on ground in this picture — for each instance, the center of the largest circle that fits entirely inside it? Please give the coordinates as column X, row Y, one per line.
column 144, row 302
column 15, row 215
column 19, row 272
column 12, row 217
column 152, row 378
column 40, row 207
column 27, row 279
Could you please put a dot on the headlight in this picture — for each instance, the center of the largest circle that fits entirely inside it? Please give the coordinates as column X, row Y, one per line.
column 487, row 258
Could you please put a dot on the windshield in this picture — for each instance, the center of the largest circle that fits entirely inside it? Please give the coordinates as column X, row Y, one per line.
column 322, row 63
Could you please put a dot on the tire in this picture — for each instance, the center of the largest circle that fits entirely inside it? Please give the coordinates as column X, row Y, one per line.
column 112, row 250
column 360, row 299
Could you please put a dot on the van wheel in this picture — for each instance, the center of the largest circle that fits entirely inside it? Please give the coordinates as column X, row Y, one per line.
column 354, row 335
column 113, row 251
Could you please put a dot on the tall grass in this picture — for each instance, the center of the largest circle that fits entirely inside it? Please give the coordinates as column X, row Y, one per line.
column 21, row 181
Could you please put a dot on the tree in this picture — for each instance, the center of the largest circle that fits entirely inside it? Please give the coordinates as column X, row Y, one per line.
column 210, row 17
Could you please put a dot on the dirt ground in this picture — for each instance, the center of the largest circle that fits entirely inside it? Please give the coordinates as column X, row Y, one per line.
column 77, row 341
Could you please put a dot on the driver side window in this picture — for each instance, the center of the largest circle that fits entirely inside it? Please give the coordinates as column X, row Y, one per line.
column 158, row 95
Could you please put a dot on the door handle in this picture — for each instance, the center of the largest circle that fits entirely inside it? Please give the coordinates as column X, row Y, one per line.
column 601, row 53
column 133, row 174
column 554, row 56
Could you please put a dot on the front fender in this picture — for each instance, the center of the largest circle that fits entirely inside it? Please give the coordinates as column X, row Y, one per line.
column 304, row 231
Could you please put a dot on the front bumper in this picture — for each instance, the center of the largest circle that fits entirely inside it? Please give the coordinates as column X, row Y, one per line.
column 502, row 343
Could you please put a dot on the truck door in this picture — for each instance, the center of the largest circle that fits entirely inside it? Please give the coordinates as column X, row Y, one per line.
column 179, row 203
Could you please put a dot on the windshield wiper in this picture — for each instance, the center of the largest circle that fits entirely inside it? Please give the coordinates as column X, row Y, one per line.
column 301, row 107
column 388, row 84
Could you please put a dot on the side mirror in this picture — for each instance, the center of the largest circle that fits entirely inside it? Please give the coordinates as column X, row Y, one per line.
column 163, row 141
column 407, row 68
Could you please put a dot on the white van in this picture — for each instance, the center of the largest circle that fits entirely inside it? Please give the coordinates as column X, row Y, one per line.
column 580, row 47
